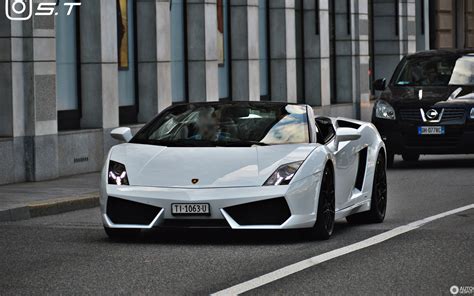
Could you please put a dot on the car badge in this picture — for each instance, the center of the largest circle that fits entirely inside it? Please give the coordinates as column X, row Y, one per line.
column 420, row 94
column 194, row 181
column 432, row 114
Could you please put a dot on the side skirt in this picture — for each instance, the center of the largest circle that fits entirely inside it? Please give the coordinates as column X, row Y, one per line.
column 362, row 206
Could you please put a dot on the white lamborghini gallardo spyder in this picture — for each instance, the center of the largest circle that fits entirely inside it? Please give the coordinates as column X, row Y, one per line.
column 244, row 165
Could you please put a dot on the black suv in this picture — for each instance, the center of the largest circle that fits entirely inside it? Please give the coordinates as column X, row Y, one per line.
column 428, row 105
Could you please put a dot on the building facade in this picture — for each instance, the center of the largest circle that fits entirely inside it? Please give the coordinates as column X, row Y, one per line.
column 69, row 78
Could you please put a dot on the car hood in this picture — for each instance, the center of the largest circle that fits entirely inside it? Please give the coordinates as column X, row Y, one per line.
column 214, row 167
column 409, row 97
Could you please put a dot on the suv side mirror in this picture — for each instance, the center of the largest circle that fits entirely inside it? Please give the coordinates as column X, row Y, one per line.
column 380, row 84
column 122, row 134
column 344, row 134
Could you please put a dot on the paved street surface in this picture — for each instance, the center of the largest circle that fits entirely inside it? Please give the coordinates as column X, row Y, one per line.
column 70, row 254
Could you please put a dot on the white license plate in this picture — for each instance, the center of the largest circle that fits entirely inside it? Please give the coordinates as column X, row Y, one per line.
column 431, row 130
column 190, row 209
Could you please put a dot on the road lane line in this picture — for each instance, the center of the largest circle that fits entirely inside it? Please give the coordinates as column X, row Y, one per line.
column 313, row 261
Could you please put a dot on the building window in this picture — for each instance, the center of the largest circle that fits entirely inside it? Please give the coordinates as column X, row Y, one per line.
column 264, row 49
column 178, row 51
column 223, row 48
column 340, row 52
column 469, row 23
column 127, row 75
column 300, row 55
column 67, row 75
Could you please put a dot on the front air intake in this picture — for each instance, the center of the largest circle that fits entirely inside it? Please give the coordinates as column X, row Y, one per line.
column 267, row 212
column 121, row 211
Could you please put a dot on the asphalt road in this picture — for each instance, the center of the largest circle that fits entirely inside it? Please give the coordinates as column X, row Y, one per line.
column 70, row 254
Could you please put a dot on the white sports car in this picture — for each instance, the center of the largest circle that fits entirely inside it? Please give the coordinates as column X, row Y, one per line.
column 243, row 165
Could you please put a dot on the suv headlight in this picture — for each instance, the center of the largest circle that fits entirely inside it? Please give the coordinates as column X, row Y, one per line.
column 117, row 174
column 384, row 110
column 472, row 113
column 284, row 174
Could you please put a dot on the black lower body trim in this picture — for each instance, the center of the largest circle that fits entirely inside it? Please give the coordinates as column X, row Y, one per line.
column 266, row 212
column 121, row 211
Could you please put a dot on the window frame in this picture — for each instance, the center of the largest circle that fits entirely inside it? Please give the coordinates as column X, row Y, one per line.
column 268, row 96
column 228, row 53
column 129, row 114
column 71, row 119
column 186, row 54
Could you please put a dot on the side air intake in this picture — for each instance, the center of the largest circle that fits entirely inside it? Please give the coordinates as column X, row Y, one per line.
column 361, row 168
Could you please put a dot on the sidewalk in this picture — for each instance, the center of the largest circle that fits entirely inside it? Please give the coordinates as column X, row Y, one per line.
column 27, row 200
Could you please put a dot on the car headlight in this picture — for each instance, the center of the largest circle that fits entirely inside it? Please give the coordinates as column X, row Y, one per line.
column 384, row 110
column 284, row 174
column 472, row 113
column 117, row 174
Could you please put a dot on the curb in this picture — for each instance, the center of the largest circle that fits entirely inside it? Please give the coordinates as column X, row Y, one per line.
column 50, row 207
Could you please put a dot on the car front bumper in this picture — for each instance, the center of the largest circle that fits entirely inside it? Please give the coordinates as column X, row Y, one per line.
column 256, row 204
column 402, row 137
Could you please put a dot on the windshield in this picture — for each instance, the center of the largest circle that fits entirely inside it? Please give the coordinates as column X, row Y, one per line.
column 437, row 71
column 227, row 124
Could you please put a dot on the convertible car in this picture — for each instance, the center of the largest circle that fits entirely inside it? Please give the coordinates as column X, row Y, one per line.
column 243, row 165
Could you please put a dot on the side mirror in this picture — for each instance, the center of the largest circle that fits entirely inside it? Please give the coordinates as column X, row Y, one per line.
column 122, row 134
column 380, row 84
column 344, row 134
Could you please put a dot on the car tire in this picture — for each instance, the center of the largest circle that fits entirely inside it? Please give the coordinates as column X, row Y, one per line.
column 120, row 234
column 324, row 226
column 411, row 157
column 378, row 203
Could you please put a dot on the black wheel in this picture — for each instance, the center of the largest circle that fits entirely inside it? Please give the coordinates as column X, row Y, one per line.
column 324, row 225
column 410, row 156
column 378, row 205
column 120, row 234
column 390, row 159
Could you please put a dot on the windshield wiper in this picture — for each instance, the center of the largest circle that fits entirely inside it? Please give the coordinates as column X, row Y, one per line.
column 199, row 143
column 240, row 143
column 180, row 143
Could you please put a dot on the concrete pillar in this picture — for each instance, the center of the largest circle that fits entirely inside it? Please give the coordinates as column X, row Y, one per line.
column 28, row 102
column 407, row 25
column 99, row 69
column 324, row 52
column 6, row 83
column 245, row 50
column 12, row 103
column 283, row 51
column 343, row 64
column 203, row 82
column 422, row 25
column 312, row 54
column 360, row 57
column 386, row 38
column 154, row 68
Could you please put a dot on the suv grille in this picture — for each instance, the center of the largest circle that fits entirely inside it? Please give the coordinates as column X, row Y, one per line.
column 453, row 114
column 449, row 114
column 410, row 114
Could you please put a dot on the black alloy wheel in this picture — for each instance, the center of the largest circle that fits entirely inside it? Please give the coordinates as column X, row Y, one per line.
column 324, row 225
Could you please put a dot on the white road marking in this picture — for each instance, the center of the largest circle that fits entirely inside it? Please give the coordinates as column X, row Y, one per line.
column 299, row 266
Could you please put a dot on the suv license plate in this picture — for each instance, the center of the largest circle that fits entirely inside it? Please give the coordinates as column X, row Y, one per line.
column 431, row 130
